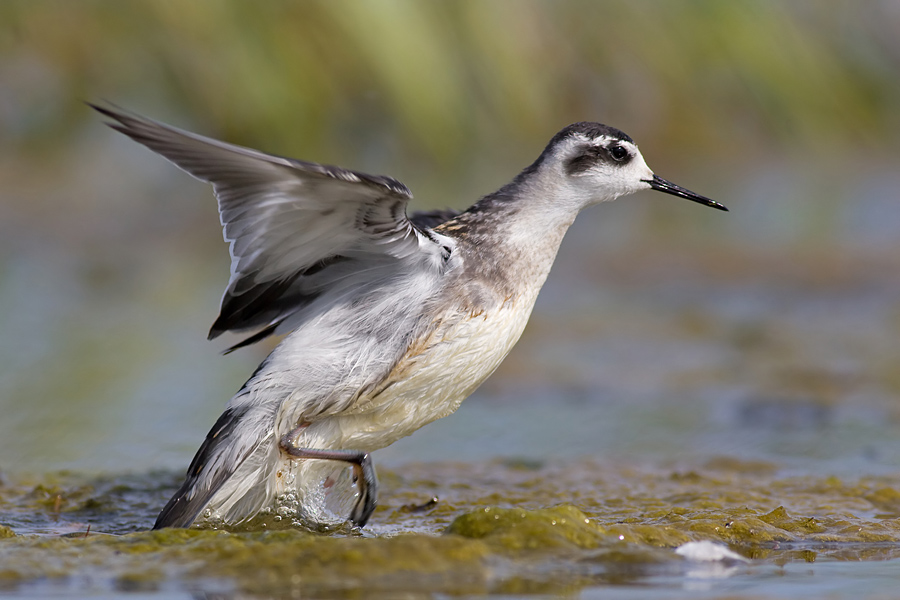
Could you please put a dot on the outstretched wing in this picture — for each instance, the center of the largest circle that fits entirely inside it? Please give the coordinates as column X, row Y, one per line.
column 298, row 231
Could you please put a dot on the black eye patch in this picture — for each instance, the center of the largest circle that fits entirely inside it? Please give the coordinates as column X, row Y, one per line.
column 584, row 161
column 591, row 155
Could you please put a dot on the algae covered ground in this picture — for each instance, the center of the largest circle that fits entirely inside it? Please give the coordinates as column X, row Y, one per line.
column 498, row 527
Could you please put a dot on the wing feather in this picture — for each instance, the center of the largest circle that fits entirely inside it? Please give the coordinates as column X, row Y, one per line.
column 297, row 231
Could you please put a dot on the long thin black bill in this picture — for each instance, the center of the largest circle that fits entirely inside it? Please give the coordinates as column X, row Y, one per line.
column 660, row 184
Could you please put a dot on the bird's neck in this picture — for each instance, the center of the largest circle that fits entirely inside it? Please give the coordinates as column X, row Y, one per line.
column 515, row 238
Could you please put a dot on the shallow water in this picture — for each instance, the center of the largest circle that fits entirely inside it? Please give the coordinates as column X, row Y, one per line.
column 592, row 455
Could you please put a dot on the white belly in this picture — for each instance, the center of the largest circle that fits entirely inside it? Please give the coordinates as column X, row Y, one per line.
column 435, row 376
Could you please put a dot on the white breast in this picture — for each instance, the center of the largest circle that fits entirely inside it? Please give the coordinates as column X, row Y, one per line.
column 436, row 375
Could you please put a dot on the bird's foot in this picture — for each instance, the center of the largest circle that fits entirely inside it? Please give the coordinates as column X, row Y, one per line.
column 367, row 484
column 363, row 472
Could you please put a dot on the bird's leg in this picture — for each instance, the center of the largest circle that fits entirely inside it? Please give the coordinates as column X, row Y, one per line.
column 363, row 472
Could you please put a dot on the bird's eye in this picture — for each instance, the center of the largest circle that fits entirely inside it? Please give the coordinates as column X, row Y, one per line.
column 618, row 153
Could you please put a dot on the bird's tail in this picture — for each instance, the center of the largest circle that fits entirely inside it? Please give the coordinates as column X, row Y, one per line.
column 233, row 457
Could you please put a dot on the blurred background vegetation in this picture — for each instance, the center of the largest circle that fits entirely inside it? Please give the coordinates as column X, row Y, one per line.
column 111, row 261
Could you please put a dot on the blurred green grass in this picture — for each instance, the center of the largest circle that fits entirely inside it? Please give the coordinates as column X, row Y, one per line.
column 442, row 79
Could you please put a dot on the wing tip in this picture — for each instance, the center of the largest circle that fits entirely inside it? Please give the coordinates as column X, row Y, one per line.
column 177, row 513
column 256, row 337
column 200, row 484
column 111, row 111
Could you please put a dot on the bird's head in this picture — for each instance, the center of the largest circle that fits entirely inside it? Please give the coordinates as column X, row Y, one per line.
column 590, row 163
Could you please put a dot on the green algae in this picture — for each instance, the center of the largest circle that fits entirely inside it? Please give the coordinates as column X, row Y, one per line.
column 519, row 529
column 497, row 527
column 258, row 562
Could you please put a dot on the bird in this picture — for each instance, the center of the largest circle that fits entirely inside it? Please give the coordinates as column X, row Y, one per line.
column 389, row 319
